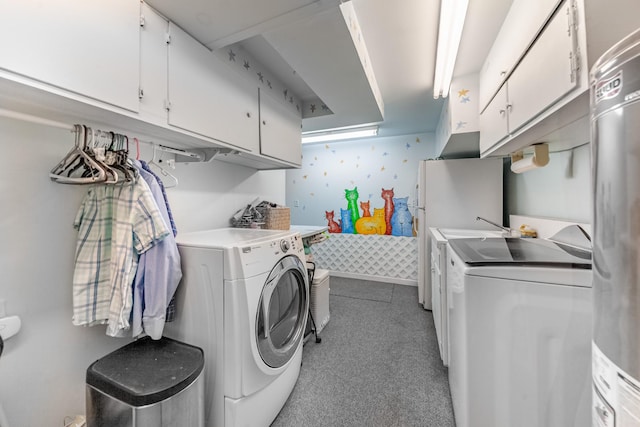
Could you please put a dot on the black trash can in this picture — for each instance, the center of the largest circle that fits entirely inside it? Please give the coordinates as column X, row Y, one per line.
column 147, row 384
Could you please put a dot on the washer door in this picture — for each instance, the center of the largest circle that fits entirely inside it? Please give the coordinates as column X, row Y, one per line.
column 282, row 311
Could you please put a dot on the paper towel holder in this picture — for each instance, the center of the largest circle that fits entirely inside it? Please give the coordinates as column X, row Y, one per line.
column 540, row 158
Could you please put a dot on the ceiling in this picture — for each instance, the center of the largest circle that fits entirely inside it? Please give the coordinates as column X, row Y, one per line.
column 309, row 47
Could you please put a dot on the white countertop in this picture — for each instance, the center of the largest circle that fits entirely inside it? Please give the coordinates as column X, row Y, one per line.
column 308, row 230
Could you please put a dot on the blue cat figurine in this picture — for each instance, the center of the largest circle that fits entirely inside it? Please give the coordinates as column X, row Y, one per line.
column 346, row 223
column 401, row 220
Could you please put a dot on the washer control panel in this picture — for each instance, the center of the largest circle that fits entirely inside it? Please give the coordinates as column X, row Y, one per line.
column 291, row 244
column 288, row 245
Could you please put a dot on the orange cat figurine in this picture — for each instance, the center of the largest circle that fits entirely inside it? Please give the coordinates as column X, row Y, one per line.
column 365, row 208
column 334, row 227
column 372, row 224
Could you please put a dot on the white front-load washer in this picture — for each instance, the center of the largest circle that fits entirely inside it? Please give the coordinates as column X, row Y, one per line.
column 243, row 299
column 519, row 333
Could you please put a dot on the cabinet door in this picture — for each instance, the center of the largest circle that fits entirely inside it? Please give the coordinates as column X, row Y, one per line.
column 545, row 74
column 279, row 131
column 91, row 48
column 207, row 97
column 521, row 25
column 494, row 120
column 153, row 66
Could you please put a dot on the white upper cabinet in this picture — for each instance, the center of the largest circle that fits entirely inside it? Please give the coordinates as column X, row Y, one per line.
column 280, row 135
column 91, row 48
column 207, row 97
column 547, row 78
column 520, row 28
column 457, row 130
column 545, row 74
column 120, row 62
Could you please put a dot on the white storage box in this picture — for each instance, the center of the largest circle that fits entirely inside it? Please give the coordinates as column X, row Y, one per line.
column 319, row 298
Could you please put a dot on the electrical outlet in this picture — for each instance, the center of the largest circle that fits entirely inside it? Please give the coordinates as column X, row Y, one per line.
column 296, row 203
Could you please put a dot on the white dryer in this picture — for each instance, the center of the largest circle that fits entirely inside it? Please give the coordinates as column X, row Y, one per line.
column 243, row 299
column 519, row 333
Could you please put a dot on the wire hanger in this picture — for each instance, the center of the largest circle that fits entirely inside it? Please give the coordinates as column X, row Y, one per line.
column 117, row 157
column 123, row 157
column 173, row 181
column 98, row 150
column 78, row 167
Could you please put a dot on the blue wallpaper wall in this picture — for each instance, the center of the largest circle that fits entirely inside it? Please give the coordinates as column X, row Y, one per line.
column 369, row 164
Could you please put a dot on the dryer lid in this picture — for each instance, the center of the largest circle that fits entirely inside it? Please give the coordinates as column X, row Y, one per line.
column 518, row 251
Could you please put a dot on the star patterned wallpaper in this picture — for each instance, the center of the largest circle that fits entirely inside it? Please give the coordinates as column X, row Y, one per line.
column 369, row 164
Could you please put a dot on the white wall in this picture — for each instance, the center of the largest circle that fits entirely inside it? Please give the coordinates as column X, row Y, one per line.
column 369, row 164
column 42, row 368
column 209, row 193
column 560, row 190
column 327, row 169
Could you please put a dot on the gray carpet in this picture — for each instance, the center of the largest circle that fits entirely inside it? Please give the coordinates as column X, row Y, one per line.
column 377, row 365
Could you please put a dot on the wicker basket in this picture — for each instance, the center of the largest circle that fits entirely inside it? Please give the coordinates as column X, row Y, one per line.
column 278, row 218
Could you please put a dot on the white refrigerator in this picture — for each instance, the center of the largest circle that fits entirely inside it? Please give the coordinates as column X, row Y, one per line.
column 452, row 194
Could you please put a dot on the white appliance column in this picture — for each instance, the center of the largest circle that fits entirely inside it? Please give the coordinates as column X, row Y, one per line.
column 615, row 101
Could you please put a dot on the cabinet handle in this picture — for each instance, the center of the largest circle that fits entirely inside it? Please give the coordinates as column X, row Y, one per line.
column 264, row 122
column 248, row 115
column 453, row 263
column 509, row 107
column 502, row 112
column 503, row 73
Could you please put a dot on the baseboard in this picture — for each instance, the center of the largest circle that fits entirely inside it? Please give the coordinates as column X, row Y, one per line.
column 359, row 276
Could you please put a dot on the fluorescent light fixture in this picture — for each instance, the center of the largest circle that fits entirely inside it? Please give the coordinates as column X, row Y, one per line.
column 339, row 134
column 452, row 16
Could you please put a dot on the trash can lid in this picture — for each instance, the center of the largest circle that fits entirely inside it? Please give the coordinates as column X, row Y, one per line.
column 147, row 371
column 320, row 275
